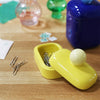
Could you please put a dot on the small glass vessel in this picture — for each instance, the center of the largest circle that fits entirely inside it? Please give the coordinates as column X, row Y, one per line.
column 28, row 11
column 56, row 6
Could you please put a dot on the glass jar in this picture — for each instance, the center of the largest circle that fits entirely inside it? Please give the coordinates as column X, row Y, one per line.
column 28, row 11
column 83, row 23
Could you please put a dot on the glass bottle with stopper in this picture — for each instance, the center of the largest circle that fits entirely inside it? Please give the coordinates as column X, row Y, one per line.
column 56, row 6
column 28, row 11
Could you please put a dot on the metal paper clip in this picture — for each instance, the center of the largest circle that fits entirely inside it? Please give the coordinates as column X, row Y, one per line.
column 46, row 59
column 17, row 67
column 13, row 61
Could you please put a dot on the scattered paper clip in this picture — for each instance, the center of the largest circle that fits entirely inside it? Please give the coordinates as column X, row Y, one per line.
column 17, row 67
column 13, row 61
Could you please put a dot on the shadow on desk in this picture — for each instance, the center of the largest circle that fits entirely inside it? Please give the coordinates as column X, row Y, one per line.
column 70, row 87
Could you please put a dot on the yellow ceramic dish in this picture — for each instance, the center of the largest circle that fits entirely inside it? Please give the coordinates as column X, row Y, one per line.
column 50, row 48
column 82, row 77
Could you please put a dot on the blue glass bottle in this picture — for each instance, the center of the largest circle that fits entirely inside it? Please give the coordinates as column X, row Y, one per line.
column 83, row 23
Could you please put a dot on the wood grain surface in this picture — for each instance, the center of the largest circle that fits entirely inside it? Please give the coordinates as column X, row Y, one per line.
column 28, row 84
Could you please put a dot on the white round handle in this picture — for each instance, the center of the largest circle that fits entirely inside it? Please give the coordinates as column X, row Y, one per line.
column 78, row 56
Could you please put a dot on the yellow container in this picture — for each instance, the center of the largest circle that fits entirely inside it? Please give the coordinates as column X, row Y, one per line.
column 50, row 48
column 82, row 77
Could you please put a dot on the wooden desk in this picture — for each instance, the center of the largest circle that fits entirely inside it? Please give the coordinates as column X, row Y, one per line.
column 28, row 84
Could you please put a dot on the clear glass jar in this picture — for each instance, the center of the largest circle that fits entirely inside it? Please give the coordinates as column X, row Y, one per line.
column 28, row 11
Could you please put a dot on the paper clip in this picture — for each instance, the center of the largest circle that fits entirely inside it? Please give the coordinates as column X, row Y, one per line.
column 46, row 59
column 13, row 61
column 17, row 67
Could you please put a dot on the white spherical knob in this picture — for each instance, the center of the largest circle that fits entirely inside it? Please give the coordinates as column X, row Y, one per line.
column 78, row 56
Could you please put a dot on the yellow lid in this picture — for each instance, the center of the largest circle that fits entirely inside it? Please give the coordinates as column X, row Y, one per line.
column 81, row 76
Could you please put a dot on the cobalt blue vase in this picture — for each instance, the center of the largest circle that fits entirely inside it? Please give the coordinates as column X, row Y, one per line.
column 83, row 23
